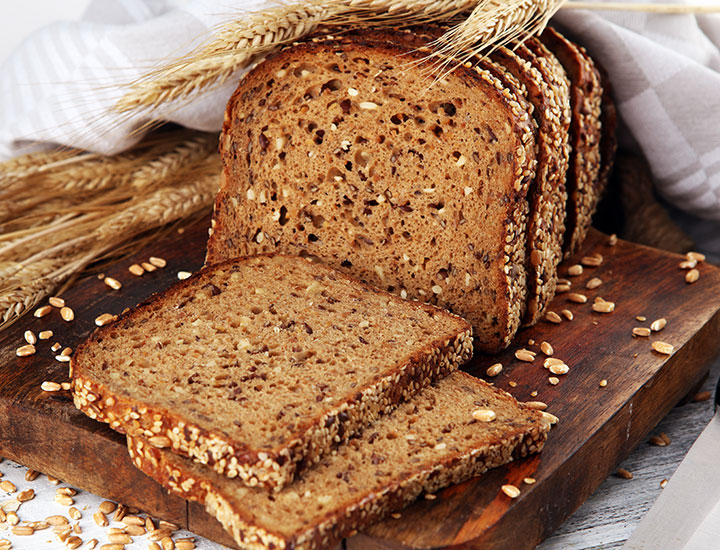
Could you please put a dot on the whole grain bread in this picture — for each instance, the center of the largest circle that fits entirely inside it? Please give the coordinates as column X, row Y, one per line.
column 333, row 148
column 427, row 443
column 316, row 353
column 547, row 97
column 583, row 183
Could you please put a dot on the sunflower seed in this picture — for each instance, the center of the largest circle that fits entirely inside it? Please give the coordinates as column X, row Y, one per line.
column 553, row 317
column 494, row 370
column 593, row 283
column 546, row 348
column 663, row 347
column 603, row 307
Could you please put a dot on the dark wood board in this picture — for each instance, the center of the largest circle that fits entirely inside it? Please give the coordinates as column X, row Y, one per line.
column 598, row 426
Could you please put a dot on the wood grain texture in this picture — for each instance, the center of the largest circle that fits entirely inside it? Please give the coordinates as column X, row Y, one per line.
column 598, row 426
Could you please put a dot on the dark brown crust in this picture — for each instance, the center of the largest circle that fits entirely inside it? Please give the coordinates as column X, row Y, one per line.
column 547, row 197
column 511, row 300
column 165, row 428
column 175, row 474
column 585, row 134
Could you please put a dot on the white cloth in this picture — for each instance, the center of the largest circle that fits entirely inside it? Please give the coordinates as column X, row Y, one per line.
column 59, row 85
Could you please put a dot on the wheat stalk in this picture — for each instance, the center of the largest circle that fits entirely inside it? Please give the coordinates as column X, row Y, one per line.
column 79, row 209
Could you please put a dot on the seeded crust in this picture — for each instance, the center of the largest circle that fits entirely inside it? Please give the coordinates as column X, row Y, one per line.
column 201, row 403
column 385, row 468
column 547, row 197
column 373, row 222
column 583, row 183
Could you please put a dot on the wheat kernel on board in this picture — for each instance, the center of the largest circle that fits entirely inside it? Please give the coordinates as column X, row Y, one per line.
column 42, row 311
column 57, row 520
column 31, row 475
column 575, row 270
column 612, row 241
column 687, row 264
column 701, row 396
column 147, row 266
column 559, row 289
column 135, row 269
column 157, row 262
column 26, row 350
column 537, row 405
column 568, row 314
column 56, row 302
column 22, row 530
column 623, row 473
column 511, row 491
column 577, row 298
column 529, row 480
column 692, row 276
column 603, row 383
column 657, row 441
column 8, row 486
column 663, row 347
column 30, row 337
column 27, row 494
column 603, row 307
column 641, row 331
column 559, row 369
column 112, row 283
column 525, row 355
column 697, row 256
column 50, row 386
column 62, row 358
column 45, row 334
column 182, row 275
column 641, row 318
column 67, row 314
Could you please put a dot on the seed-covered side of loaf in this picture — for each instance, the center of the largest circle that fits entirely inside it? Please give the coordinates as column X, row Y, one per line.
column 339, row 149
column 585, row 134
column 255, row 365
column 547, row 197
column 433, row 440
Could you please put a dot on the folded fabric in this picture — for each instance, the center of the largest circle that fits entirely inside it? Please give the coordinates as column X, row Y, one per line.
column 60, row 84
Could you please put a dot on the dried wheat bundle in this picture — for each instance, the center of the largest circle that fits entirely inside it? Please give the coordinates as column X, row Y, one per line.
column 487, row 24
column 70, row 209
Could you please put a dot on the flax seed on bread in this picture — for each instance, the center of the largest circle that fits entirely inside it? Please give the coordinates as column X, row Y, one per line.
column 330, row 150
column 427, row 443
column 320, row 355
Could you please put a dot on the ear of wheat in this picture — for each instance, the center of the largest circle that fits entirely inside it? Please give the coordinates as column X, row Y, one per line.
column 237, row 44
column 70, row 209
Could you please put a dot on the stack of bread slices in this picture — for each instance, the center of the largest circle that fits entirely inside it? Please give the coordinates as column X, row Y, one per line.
column 457, row 184
column 290, row 386
column 296, row 403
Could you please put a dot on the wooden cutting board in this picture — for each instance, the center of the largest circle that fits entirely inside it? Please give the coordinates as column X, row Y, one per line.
column 598, row 425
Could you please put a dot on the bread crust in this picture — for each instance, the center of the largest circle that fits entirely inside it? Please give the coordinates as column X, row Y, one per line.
column 275, row 467
column 527, row 436
column 499, row 323
column 585, row 134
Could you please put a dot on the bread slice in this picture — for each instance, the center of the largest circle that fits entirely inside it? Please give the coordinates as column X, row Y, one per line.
column 547, row 197
column 586, row 92
column 335, row 148
column 256, row 365
column 519, row 71
column 425, row 444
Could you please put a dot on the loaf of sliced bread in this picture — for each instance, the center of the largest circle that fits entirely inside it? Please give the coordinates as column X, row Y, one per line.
column 453, row 430
column 335, row 148
column 258, row 366
column 586, row 92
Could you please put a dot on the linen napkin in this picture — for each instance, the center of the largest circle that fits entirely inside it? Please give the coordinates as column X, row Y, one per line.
column 59, row 85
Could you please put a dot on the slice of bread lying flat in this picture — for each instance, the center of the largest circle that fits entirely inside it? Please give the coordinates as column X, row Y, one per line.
column 339, row 149
column 437, row 438
column 258, row 366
